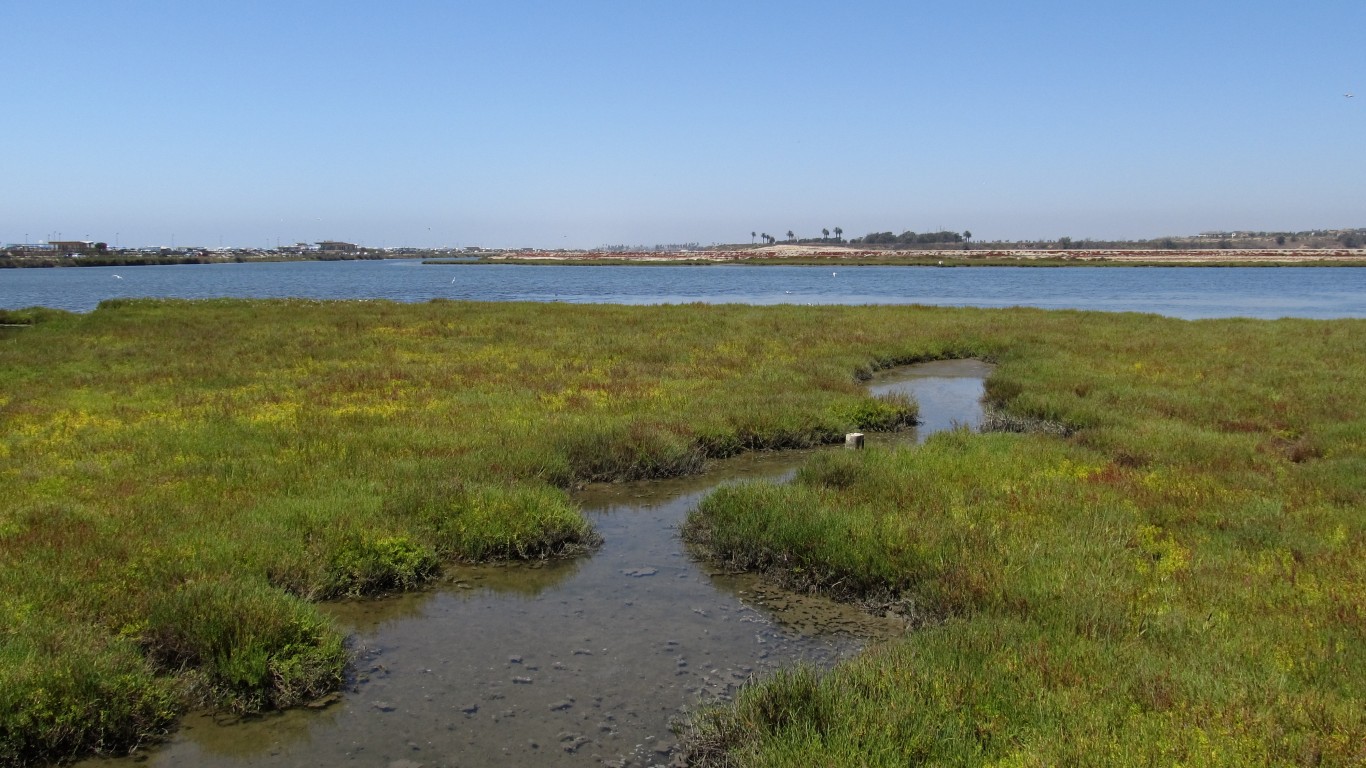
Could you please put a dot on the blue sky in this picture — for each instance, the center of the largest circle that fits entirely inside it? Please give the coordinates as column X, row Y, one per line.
column 580, row 124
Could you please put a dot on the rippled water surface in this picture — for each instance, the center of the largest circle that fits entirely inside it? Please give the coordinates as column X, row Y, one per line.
column 1189, row 292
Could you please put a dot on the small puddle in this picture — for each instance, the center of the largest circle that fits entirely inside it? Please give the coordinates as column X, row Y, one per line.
column 575, row 662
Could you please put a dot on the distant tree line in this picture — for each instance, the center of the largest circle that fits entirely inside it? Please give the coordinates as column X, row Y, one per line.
column 911, row 238
column 792, row 237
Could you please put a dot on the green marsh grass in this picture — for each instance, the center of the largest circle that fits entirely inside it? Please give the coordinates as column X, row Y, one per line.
column 184, row 480
column 1169, row 569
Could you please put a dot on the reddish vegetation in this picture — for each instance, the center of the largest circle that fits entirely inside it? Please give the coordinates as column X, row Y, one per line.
column 806, row 253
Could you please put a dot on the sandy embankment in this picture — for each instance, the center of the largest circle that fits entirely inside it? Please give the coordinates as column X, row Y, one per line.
column 807, row 253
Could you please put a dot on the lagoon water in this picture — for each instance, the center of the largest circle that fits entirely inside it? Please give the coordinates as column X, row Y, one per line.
column 1186, row 292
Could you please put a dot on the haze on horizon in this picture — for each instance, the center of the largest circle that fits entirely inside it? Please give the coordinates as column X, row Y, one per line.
column 577, row 125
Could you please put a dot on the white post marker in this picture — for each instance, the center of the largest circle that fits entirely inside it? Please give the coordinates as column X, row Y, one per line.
column 854, row 440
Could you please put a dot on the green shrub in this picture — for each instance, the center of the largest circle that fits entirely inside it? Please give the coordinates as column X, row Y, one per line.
column 361, row 566
column 73, row 690
column 489, row 522
column 250, row 647
column 882, row 413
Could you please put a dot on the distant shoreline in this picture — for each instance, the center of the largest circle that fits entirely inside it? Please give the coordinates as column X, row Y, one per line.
column 773, row 255
column 144, row 260
column 803, row 255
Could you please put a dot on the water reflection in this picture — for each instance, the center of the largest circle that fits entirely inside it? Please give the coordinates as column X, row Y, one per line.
column 365, row 616
column 941, row 387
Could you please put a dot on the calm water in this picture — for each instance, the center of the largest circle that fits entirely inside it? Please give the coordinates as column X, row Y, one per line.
column 1188, row 292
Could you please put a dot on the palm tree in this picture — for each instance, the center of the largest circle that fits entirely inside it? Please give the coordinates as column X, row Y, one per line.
column 838, row 232
column 752, row 235
column 825, row 234
column 790, row 236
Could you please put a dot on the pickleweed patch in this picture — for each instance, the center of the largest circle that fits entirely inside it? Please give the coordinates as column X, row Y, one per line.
column 881, row 413
column 66, row 690
column 362, row 566
column 250, row 646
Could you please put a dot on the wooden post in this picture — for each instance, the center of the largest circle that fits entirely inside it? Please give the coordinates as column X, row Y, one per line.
column 854, row 440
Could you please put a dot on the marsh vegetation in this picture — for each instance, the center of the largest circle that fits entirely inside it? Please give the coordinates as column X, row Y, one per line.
column 1160, row 562
column 1178, row 577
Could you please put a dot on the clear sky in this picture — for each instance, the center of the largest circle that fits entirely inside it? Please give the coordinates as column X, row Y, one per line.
column 577, row 124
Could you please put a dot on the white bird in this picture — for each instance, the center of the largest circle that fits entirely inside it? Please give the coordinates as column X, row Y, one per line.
column 118, row 277
column 832, row 274
column 1350, row 95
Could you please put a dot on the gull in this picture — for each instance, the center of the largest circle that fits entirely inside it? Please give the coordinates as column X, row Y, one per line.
column 118, row 277
column 1349, row 95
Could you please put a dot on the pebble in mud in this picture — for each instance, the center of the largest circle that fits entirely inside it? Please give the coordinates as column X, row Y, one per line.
column 571, row 742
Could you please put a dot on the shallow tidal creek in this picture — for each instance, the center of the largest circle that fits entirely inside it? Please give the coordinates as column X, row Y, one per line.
column 585, row 661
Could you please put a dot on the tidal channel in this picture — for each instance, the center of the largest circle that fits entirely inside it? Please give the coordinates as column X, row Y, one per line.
column 578, row 662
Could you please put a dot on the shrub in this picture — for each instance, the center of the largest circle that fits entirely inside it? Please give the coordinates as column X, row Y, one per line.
column 250, row 646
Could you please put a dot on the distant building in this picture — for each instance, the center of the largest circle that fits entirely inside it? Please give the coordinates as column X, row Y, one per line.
column 336, row 246
column 78, row 247
column 42, row 249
